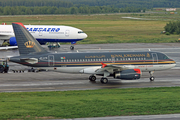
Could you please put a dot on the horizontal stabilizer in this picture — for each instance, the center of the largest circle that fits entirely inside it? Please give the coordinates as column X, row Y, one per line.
column 30, row 60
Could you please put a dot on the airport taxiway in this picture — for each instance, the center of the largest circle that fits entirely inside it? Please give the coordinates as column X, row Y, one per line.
column 54, row 81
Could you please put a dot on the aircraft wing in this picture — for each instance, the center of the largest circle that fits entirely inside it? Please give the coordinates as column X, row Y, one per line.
column 8, row 47
column 113, row 68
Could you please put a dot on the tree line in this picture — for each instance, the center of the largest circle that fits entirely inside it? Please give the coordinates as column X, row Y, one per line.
column 128, row 3
column 23, row 10
column 77, row 3
column 32, row 7
column 172, row 28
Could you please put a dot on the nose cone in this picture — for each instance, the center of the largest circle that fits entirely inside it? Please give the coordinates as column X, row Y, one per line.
column 82, row 36
column 85, row 35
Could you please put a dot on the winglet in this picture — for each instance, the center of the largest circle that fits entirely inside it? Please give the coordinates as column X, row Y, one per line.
column 19, row 23
column 103, row 65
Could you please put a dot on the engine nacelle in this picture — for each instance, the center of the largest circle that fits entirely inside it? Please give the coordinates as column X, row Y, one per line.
column 129, row 74
column 12, row 41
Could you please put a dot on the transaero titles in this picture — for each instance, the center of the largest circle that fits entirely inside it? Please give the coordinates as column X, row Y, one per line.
column 43, row 29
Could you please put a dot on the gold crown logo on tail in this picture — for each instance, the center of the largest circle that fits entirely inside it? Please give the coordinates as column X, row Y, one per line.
column 29, row 44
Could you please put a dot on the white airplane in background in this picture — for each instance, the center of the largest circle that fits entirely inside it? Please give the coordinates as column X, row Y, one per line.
column 44, row 34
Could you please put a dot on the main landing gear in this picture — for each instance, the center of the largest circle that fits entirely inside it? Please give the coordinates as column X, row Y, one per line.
column 152, row 78
column 72, row 47
column 103, row 80
column 92, row 78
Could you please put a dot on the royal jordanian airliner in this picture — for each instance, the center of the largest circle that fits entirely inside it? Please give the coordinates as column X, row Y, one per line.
column 120, row 65
column 44, row 34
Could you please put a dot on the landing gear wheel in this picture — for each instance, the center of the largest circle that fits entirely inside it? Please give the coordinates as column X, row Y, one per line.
column 104, row 80
column 72, row 47
column 152, row 78
column 92, row 78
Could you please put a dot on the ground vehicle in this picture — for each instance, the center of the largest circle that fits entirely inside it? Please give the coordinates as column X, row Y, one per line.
column 4, row 67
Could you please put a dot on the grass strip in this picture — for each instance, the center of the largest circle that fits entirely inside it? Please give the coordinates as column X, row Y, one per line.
column 89, row 103
column 108, row 28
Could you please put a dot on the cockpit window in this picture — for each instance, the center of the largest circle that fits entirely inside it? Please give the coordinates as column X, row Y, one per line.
column 80, row 32
column 165, row 57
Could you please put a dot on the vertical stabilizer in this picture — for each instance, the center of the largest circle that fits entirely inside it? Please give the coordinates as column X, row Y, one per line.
column 27, row 44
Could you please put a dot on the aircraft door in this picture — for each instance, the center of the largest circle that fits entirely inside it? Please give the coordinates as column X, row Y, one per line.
column 51, row 60
column 40, row 33
column 154, row 58
column 67, row 33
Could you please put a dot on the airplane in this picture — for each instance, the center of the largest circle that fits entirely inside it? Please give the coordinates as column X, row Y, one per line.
column 120, row 65
column 44, row 34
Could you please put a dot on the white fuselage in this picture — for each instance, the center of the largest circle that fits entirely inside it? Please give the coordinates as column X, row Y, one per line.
column 46, row 33
column 91, row 69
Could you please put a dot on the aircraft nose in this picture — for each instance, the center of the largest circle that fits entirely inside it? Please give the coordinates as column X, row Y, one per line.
column 82, row 36
column 85, row 35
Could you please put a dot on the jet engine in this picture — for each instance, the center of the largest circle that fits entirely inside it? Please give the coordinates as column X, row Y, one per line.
column 12, row 41
column 129, row 74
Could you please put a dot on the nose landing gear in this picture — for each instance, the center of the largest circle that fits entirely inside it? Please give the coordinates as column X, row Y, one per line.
column 152, row 78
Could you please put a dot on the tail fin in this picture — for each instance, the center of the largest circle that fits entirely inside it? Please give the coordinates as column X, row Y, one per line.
column 27, row 44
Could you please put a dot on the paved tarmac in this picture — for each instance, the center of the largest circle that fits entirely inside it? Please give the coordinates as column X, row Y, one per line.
column 140, row 117
column 53, row 81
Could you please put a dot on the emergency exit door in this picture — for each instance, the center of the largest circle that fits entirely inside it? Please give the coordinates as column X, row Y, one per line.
column 155, row 58
column 51, row 60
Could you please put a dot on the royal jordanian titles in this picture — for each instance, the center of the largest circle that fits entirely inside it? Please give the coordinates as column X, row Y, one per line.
column 44, row 34
column 120, row 65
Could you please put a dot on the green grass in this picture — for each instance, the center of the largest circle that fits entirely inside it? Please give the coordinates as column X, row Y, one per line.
column 109, row 28
column 90, row 103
